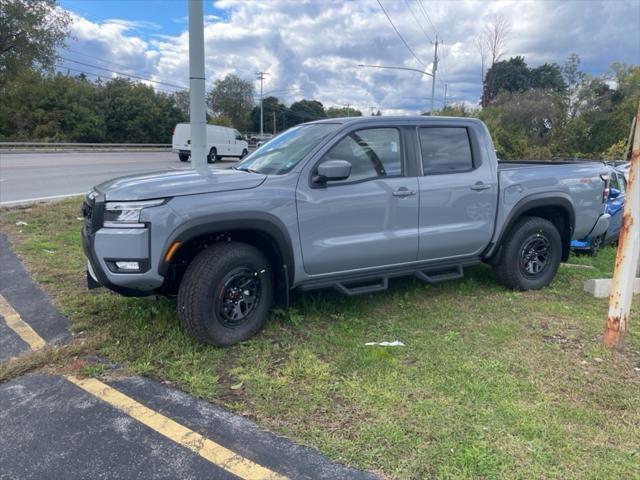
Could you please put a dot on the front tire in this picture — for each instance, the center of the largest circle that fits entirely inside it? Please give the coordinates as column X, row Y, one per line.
column 184, row 157
column 226, row 294
column 530, row 256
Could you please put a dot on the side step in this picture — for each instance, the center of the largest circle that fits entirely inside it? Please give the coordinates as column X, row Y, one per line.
column 433, row 276
column 360, row 287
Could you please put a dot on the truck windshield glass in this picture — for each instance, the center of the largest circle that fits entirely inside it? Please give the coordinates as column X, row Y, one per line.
column 285, row 151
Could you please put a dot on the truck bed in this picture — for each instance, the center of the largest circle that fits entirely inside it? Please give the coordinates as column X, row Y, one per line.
column 579, row 181
column 509, row 165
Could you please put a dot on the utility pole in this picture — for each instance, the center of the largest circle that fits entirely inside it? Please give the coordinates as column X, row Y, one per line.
column 372, row 109
column 347, row 107
column 198, row 117
column 444, row 103
column 260, row 77
column 274, row 122
column 433, row 74
column 628, row 255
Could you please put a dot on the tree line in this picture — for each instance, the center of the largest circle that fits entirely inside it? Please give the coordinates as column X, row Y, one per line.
column 539, row 112
column 554, row 111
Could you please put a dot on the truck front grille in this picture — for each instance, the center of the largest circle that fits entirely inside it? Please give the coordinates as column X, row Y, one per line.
column 92, row 214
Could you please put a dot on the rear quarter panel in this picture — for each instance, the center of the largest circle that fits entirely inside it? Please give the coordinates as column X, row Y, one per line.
column 580, row 182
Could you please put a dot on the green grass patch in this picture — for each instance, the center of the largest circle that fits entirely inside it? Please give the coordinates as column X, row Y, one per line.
column 491, row 384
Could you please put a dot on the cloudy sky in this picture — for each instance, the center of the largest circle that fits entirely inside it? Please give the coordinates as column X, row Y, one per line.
column 312, row 49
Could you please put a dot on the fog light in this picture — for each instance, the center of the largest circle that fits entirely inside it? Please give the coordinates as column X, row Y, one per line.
column 130, row 266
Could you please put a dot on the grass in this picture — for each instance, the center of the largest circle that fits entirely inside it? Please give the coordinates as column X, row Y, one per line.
column 491, row 384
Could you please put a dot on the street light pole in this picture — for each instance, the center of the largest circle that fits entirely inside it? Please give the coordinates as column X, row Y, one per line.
column 198, row 119
column 405, row 68
column 260, row 77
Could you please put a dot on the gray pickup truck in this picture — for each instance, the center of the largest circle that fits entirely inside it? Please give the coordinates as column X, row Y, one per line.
column 343, row 203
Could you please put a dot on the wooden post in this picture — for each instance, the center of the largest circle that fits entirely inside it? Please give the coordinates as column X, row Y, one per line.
column 628, row 252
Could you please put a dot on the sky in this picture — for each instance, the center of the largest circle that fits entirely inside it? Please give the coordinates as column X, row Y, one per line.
column 312, row 49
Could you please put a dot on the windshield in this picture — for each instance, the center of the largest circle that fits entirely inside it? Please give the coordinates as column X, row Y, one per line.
column 282, row 153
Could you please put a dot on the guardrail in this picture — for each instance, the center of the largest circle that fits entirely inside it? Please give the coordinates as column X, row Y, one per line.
column 10, row 146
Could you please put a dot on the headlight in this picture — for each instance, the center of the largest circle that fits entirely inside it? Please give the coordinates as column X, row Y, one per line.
column 127, row 214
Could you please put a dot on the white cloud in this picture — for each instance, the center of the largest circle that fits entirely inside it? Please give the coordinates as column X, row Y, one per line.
column 315, row 47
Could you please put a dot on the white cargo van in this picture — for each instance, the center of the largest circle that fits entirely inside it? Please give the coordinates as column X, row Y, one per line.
column 221, row 142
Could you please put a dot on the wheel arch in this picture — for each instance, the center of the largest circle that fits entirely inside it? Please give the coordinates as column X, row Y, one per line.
column 557, row 207
column 263, row 231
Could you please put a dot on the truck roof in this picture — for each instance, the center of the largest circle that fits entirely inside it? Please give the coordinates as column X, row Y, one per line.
column 399, row 118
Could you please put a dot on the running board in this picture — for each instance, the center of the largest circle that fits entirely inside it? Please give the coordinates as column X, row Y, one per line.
column 357, row 288
column 433, row 276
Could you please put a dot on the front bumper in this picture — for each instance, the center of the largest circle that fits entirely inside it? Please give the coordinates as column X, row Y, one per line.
column 104, row 246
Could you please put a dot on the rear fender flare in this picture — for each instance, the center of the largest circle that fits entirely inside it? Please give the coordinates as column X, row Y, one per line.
column 539, row 200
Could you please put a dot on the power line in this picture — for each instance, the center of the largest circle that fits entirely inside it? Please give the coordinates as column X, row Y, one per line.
column 124, row 74
column 418, row 21
column 400, row 35
column 109, row 62
column 426, row 15
column 100, row 77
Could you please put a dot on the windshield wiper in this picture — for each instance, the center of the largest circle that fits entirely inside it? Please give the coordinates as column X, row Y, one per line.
column 245, row 169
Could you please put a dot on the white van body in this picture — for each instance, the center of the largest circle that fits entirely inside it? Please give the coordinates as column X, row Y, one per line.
column 221, row 142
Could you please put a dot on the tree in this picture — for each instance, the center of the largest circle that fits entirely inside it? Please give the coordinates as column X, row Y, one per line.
column 511, row 75
column 181, row 100
column 495, row 38
column 270, row 105
column 548, row 77
column 31, row 31
column 232, row 97
column 306, row 111
column 220, row 120
column 574, row 79
column 334, row 112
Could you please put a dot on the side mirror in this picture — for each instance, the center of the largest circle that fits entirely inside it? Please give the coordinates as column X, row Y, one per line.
column 332, row 170
column 614, row 193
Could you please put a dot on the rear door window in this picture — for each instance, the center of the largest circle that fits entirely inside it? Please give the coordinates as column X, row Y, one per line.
column 445, row 150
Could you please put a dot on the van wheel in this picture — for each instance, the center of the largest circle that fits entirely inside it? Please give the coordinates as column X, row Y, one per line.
column 226, row 294
column 530, row 256
column 213, row 156
column 183, row 157
column 245, row 152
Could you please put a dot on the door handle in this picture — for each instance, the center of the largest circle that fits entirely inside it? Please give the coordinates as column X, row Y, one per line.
column 403, row 192
column 479, row 186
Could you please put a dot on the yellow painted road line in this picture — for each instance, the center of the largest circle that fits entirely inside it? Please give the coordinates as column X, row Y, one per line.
column 208, row 449
column 15, row 323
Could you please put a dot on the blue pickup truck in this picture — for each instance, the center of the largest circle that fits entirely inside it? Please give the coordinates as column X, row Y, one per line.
column 341, row 203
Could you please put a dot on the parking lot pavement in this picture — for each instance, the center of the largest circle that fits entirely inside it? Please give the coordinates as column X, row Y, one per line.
column 37, row 319
column 63, row 426
column 28, row 176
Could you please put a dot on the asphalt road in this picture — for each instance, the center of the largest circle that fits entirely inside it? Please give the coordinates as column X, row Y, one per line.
column 27, row 177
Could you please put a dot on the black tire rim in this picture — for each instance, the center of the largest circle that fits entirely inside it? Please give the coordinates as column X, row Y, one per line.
column 238, row 296
column 535, row 255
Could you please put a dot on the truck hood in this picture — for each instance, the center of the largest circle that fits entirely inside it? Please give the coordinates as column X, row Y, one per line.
column 173, row 183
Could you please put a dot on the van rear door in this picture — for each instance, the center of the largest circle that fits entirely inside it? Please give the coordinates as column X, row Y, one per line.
column 181, row 140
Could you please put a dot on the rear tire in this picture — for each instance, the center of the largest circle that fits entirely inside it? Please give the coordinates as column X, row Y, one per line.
column 226, row 294
column 183, row 157
column 530, row 256
column 213, row 156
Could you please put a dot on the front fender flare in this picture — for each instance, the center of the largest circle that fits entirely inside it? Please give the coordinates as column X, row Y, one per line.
column 228, row 222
